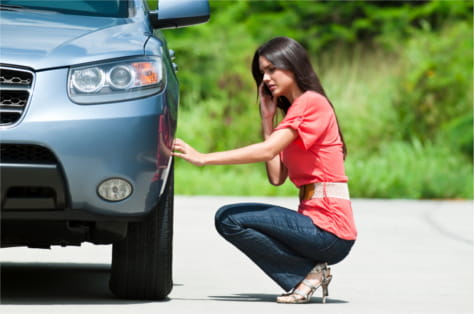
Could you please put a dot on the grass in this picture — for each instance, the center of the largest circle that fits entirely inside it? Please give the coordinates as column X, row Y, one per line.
column 361, row 85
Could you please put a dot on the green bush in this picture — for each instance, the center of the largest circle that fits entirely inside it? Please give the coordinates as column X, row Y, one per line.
column 380, row 164
column 400, row 75
column 411, row 170
column 436, row 85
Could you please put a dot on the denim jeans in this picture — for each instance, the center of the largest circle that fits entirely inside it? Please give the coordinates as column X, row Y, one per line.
column 285, row 244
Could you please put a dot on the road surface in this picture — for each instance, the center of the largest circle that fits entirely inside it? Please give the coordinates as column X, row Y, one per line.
column 410, row 257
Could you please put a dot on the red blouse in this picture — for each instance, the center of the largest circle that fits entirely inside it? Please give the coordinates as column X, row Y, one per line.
column 316, row 155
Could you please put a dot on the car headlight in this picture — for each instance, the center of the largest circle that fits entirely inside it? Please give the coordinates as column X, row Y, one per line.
column 116, row 81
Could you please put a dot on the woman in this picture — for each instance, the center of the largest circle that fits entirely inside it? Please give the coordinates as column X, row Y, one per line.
column 293, row 248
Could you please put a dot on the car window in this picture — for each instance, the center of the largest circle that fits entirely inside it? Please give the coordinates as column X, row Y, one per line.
column 106, row 8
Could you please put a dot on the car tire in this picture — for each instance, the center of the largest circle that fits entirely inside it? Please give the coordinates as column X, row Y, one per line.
column 142, row 262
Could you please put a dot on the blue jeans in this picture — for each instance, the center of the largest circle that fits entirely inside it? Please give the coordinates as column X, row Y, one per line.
column 285, row 244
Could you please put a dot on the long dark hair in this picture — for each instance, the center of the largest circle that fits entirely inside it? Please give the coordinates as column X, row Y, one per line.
column 287, row 54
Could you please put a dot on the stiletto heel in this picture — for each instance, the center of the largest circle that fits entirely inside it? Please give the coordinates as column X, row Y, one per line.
column 327, row 277
column 297, row 296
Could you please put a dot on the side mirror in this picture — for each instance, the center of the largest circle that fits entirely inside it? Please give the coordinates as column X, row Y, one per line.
column 179, row 13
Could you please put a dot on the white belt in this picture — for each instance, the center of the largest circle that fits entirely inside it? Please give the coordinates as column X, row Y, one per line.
column 322, row 190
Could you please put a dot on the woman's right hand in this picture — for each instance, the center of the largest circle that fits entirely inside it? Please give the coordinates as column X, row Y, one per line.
column 183, row 150
column 268, row 105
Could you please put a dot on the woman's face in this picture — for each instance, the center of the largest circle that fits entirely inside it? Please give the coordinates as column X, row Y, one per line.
column 280, row 82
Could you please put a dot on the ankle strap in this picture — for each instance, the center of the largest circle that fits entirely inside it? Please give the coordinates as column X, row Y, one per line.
column 319, row 268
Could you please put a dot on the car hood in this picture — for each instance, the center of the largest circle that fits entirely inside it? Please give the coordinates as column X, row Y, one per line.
column 50, row 40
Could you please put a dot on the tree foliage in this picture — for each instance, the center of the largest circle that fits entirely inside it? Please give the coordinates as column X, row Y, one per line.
column 421, row 53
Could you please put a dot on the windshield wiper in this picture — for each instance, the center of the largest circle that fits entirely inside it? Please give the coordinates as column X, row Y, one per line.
column 10, row 7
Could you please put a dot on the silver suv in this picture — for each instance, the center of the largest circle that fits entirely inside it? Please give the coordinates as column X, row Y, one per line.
column 88, row 112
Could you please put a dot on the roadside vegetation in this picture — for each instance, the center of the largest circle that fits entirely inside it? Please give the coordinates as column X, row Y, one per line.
column 400, row 75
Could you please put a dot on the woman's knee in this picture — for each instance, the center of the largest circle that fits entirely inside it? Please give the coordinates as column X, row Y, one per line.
column 234, row 218
column 222, row 220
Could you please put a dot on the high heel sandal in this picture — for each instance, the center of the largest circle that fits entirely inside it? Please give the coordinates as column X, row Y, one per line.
column 305, row 297
column 327, row 277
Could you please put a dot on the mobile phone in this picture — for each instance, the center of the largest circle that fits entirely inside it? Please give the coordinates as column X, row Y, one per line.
column 267, row 91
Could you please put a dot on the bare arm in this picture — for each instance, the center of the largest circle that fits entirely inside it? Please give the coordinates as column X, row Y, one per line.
column 266, row 151
column 259, row 152
column 276, row 170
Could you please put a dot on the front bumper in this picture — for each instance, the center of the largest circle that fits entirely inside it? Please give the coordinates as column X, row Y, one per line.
column 130, row 140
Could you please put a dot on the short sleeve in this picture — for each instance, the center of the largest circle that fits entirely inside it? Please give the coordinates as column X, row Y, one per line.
column 310, row 115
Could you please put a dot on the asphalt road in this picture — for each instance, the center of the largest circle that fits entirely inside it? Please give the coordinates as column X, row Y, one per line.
column 410, row 257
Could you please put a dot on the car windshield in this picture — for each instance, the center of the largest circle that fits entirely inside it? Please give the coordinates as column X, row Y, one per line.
column 106, row 8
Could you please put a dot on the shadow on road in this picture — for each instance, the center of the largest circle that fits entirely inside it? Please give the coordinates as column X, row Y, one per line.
column 57, row 283
column 259, row 297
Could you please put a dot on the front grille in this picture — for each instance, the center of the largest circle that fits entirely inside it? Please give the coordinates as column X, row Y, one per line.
column 26, row 153
column 15, row 92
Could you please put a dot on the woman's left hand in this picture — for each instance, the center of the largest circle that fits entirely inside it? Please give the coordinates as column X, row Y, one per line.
column 183, row 150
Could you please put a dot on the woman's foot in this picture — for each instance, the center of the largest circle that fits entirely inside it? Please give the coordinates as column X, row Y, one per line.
column 318, row 276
